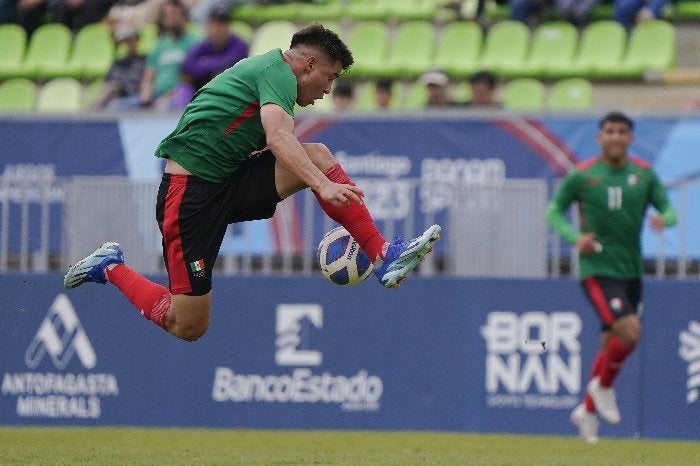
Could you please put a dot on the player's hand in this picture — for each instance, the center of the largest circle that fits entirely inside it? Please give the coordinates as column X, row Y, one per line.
column 588, row 244
column 657, row 222
column 341, row 194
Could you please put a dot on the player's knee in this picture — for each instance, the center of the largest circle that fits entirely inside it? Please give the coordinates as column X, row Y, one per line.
column 191, row 332
column 320, row 155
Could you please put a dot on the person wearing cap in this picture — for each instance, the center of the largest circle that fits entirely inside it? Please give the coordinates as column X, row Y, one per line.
column 438, row 85
column 483, row 90
column 219, row 51
column 121, row 88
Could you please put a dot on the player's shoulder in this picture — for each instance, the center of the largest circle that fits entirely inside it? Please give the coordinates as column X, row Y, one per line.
column 587, row 164
column 639, row 162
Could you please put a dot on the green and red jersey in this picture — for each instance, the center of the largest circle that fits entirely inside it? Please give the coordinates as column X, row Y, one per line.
column 612, row 204
column 221, row 126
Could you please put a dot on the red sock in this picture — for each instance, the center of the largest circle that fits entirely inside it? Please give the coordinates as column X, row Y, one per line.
column 151, row 299
column 615, row 355
column 595, row 371
column 355, row 218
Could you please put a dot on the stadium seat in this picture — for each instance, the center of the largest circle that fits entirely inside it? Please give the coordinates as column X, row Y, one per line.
column 92, row 91
column 412, row 50
column 93, row 52
column 505, row 48
column 523, row 94
column 369, row 42
column 60, row 95
column 14, row 42
column 242, row 30
column 601, row 49
column 552, row 50
column 413, row 10
column 272, row 35
column 462, row 92
column 148, row 38
column 571, row 94
column 367, row 10
column 651, row 47
column 459, row 48
column 416, row 96
column 321, row 12
column 47, row 53
column 17, row 95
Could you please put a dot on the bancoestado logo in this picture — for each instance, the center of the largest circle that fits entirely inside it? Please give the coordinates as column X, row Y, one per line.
column 689, row 350
column 531, row 359
column 59, row 394
column 358, row 392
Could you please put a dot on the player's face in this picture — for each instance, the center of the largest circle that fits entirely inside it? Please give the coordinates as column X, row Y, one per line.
column 614, row 139
column 317, row 79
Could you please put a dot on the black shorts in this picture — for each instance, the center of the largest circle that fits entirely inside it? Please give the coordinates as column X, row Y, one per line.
column 193, row 215
column 612, row 298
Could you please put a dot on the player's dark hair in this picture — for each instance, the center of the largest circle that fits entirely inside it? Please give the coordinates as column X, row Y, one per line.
column 616, row 117
column 327, row 41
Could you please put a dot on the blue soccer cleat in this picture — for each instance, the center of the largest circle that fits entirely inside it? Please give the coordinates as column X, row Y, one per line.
column 402, row 257
column 92, row 268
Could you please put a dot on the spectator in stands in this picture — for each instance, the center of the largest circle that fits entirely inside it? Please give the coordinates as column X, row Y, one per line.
column 483, row 90
column 121, row 89
column 629, row 12
column 138, row 12
column 30, row 14
column 78, row 13
column 383, row 93
column 438, row 85
column 163, row 65
column 575, row 11
column 343, row 95
column 220, row 50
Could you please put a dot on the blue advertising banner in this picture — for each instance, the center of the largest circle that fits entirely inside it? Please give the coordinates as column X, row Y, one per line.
column 439, row 354
column 387, row 157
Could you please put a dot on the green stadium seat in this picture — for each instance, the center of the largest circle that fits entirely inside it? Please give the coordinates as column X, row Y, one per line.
column 321, row 12
column 459, row 48
column 687, row 10
column 93, row 52
column 60, row 95
column 272, row 35
column 148, row 38
column 651, row 47
column 367, row 10
column 14, row 42
column 369, row 43
column 416, row 96
column 279, row 12
column 523, row 94
column 505, row 48
column 413, row 10
column 601, row 48
column 47, row 53
column 552, row 50
column 242, row 30
column 17, row 95
column 412, row 50
column 92, row 91
column 571, row 94
column 462, row 92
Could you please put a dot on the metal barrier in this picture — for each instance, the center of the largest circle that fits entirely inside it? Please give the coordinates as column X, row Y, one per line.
column 490, row 230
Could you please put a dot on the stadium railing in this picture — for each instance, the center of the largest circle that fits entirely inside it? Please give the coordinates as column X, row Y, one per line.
column 490, row 230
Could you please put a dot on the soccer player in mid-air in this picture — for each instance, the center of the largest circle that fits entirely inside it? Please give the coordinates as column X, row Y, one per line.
column 613, row 191
column 232, row 157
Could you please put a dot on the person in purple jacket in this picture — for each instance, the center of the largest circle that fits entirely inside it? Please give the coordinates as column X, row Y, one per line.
column 219, row 51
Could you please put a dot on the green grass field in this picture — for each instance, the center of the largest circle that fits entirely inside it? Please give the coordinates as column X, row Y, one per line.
column 101, row 446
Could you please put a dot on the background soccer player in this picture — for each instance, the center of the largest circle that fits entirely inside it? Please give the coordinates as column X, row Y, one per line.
column 613, row 191
column 232, row 157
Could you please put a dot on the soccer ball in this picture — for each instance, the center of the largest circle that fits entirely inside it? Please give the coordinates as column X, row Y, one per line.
column 342, row 260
